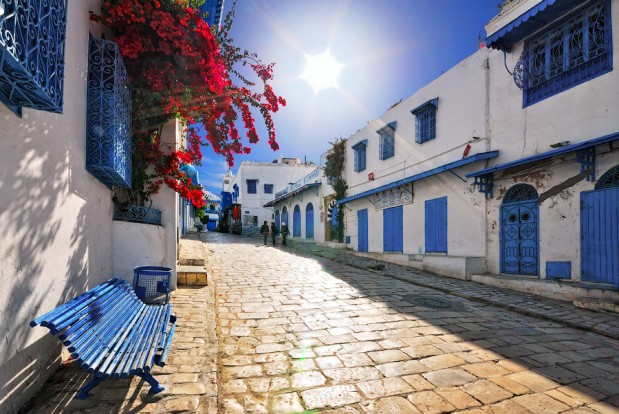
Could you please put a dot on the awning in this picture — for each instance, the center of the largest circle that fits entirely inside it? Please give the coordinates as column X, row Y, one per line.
column 530, row 22
column 292, row 193
column 191, row 173
column 545, row 155
column 443, row 168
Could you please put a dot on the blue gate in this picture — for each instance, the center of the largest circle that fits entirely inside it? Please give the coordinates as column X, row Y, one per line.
column 362, row 229
column 296, row 221
column 520, row 231
column 309, row 221
column 392, row 229
column 277, row 220
column 599, row 230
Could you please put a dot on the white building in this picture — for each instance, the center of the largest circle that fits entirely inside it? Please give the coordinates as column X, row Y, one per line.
column 305, row 206
column 254, row 185
column 540, row 146
column 60, row 236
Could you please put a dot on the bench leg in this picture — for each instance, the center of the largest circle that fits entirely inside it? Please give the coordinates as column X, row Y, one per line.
column 83, row 394
column 154, row 384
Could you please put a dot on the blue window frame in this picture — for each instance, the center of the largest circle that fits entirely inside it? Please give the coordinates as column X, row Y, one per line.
column 268, row 189
column 386, row 147
column 360, row 155
column 425, row 121
column 252, row 186
column 32, row 39
column 436, row 225
column 569, row 52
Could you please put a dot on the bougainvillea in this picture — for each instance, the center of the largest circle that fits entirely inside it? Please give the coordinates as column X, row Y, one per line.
column 180, row 68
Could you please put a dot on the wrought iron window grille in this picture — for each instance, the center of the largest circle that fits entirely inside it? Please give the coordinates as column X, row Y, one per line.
column 137, row 214
column 108, row 124
column 569, row 52
column 32, row 41
column 386, row 142
column 360, row 156
column 519, row 193
column 425, row 121
column 610, row 179
column 252, row 186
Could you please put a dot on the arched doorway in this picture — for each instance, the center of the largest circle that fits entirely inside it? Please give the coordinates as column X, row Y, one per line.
column 599, row 230
column 285, row 217
column 277, row 219
column 309, row 221
column 520, row 231
column 296, row 221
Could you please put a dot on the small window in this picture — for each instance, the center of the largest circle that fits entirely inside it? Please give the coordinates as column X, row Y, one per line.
column 386, row 148
column 571, row 51
column 425, row 122
column 268, row 189
column 251, row 186
column 360, row 154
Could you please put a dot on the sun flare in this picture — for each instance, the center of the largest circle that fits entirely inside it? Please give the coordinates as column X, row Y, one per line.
column 322, row 71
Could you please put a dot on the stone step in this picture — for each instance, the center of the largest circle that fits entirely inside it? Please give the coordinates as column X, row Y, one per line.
column 192, row 275
column 598, row 305
column 191, row 261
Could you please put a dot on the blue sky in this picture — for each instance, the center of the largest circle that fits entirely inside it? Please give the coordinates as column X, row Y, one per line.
column 390, row 49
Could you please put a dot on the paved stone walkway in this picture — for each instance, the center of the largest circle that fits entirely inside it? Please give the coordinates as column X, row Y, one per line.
column 301, row 333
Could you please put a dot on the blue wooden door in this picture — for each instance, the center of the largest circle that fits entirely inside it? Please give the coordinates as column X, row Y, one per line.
column 362, row 229
column 309, row 221
column 392, row 229
column 277, row 219
column 285, row 218
column 599, row 234
column 436, row 225
column 519, row 238
column 296, row 221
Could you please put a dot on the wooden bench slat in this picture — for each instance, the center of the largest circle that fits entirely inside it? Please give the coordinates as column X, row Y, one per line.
column 147, row 356
column 168, row 342
column 51, row 318
column 136, row 344
column 143, row 344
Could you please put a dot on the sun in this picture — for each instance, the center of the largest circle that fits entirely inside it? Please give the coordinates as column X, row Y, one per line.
column 322, row 71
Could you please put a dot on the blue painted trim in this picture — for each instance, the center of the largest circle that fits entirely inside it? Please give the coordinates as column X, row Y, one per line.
column 529, row 22
column 391, row 125
column 290, row 194
column 443, row 168
column 363, row 142
column 545, row 155
column 433, row 102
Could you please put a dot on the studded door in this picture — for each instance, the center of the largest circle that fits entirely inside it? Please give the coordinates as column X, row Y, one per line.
column 519, row 238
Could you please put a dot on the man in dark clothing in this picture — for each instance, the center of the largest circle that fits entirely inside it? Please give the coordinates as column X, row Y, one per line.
column 264, row 230
column 273, row 232
column 285, row 233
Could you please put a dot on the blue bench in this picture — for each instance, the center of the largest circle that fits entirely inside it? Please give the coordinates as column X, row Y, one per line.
column 112, row 333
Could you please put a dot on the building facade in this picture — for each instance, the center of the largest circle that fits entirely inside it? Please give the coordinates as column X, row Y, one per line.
column 214, row 11
column 254, row 185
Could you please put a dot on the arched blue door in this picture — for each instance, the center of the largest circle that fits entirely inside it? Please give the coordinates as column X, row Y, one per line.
column 296, row 221
column 599, row 227
column 285, row 218
column 520, row 231
column 277, row 220
column 309, row 221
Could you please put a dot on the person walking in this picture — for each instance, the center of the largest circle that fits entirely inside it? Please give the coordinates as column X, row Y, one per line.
column 273, row 232
column 264, row 230
column 285, row 233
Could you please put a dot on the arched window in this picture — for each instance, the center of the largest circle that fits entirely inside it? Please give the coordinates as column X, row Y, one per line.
column 520, row 192
column 610, row 179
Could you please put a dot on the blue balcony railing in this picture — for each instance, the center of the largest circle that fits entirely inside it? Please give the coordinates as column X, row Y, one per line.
column 138, row 214
column 108, row 126
column 312, row 177
column 32, row 38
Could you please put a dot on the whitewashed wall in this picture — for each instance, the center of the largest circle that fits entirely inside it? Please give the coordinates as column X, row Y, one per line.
column 56, row 221
column 583, row 112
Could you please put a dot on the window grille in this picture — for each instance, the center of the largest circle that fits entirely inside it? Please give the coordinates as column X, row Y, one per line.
column 360, row 155
column 108, row 116
column 268, row 188
column 569, row 52
column 32, row 38
column 610, row 179
column 520, row 192
column 252, row 186
column 425, row 122
column 386, row 141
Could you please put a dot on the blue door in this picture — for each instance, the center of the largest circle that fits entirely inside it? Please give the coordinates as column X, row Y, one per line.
column 277, row 219
column 436, row 225
column 362, row 229
column 519, row 231
column 296, row 221
column 309, row 221
column 599, row 230
column 392, row 229
column 285, row 218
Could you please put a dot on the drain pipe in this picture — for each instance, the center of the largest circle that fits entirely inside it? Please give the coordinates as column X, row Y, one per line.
column 488, row 148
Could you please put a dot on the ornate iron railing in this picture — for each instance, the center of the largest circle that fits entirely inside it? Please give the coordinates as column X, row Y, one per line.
column 138, row 214
column 308, row 179
column 32, row 38
column 108, row 126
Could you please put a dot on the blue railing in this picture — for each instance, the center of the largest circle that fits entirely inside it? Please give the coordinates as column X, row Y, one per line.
column 108, row 126
column 137, row 214
column 308, row 179
column 32, row 37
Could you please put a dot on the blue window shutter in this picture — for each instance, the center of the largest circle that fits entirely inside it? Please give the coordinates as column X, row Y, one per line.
column 251, row 186
column 430, row 224
column 436, row 225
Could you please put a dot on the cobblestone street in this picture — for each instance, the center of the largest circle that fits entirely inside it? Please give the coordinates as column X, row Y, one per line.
column 300, row 333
